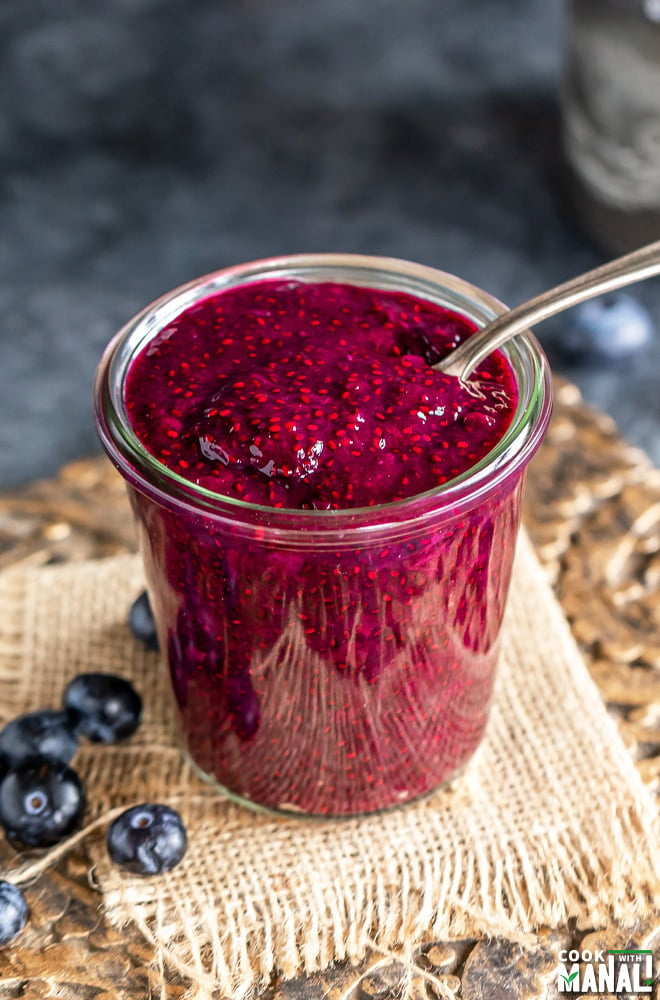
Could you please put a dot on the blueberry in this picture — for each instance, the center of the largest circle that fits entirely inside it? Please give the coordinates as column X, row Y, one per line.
column 141, row 621
column 610, row 328
column 39, row 734
column 107, row 708
column 147, row 839
column 13, row 912
column 41, row 802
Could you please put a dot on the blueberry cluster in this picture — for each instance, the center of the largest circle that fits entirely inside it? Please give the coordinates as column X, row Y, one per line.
column 42, row 798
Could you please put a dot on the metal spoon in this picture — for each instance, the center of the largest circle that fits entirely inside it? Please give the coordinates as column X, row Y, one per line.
column 626, row 270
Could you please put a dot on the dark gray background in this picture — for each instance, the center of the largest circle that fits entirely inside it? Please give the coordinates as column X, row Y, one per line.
column 144, row 142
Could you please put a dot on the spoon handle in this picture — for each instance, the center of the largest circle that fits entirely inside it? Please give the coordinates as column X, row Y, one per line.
column 626, row 270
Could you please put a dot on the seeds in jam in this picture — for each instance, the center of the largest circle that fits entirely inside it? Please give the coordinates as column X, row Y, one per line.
column 315, row 396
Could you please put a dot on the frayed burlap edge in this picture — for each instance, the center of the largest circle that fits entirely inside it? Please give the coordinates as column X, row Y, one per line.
column 492, row 897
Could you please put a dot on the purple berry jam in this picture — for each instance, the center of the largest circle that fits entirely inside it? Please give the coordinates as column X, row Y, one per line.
column 315, row 396
column 348, row 669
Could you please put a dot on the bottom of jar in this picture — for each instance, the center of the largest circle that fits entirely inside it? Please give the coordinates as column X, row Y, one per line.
column 293, row 812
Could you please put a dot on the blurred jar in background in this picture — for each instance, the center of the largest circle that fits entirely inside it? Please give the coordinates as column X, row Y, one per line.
column 611, row 118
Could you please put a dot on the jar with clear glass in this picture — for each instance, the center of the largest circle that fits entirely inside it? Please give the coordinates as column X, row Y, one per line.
column 329, row 662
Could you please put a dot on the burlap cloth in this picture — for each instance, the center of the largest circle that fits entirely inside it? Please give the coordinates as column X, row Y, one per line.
column 550, row 821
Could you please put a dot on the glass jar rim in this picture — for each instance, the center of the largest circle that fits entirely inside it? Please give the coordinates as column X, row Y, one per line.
column 150, row 476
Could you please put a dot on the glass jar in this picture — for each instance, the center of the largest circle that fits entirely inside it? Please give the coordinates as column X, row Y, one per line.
column 611, row 118
column 329, row 662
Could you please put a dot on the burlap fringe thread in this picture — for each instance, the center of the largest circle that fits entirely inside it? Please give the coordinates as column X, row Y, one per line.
column 549, row 822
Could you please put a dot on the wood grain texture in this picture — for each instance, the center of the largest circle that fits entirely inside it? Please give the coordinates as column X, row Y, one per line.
column 593, row 511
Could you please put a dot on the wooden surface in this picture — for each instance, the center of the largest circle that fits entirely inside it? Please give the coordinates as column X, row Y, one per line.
column 593, row 511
